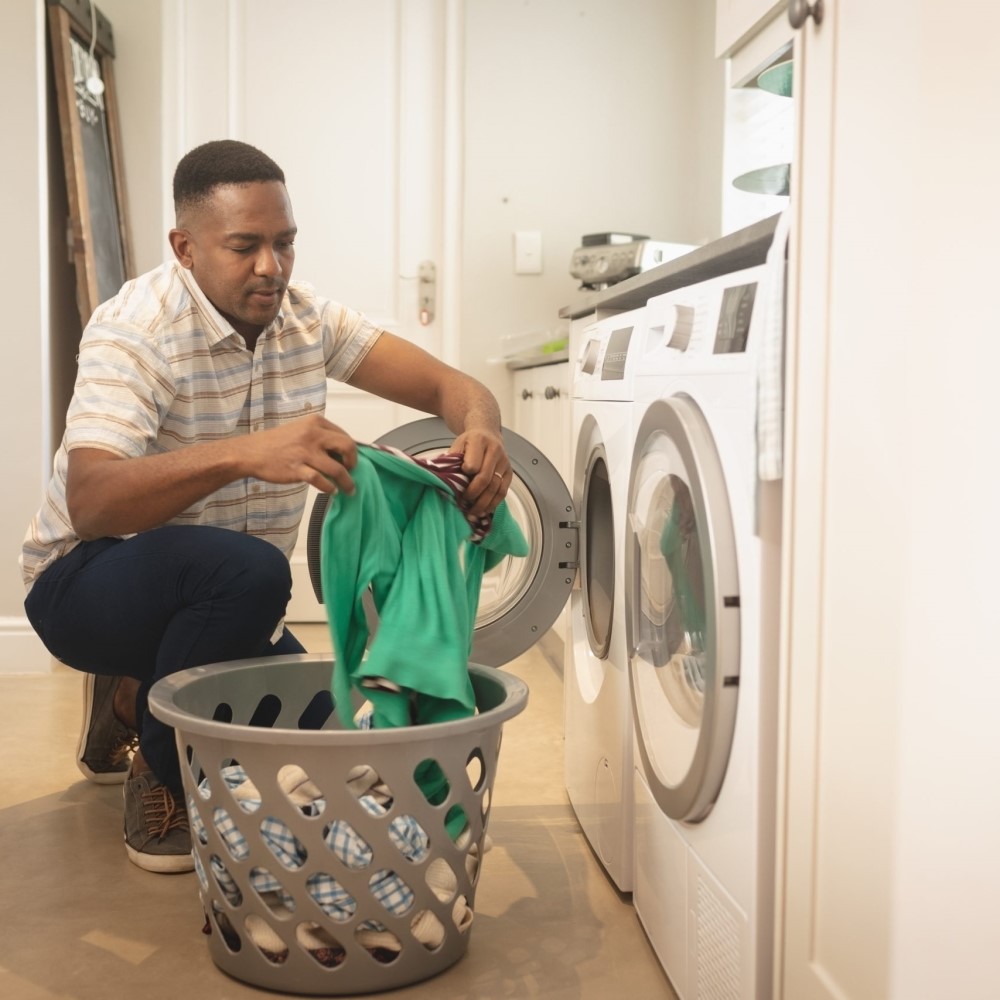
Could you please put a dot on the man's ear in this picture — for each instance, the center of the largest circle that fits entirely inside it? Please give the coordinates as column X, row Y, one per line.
column 180, row 243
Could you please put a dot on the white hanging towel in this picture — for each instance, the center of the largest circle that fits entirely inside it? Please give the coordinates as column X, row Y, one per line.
column 771, row 356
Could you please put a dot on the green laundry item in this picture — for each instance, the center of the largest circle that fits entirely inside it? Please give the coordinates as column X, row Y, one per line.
column 678, row 545
column 402, row 535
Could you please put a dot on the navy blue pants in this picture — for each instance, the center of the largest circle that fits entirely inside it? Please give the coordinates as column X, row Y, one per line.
column 159, row 602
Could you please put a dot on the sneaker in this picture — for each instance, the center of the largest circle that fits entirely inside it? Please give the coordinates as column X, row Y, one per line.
column 105, row 743
column 157, row 834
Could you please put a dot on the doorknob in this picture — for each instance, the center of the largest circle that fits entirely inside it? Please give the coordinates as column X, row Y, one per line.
column 800, row 10
column 426, row 290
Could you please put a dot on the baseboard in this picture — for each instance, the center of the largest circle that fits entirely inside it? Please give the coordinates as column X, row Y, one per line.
column 21, row 651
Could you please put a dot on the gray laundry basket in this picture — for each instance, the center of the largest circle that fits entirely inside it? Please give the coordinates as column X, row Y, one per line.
column 330, row 887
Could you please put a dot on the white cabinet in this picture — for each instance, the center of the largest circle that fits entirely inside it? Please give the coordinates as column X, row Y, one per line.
column 736, row 21
column 542, row 412
column 889, row 811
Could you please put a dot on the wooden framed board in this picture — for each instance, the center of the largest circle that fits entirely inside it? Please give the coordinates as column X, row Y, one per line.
column 83, row 61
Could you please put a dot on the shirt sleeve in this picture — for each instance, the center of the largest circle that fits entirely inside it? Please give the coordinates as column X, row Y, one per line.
column 347, row 337
column 123, row 390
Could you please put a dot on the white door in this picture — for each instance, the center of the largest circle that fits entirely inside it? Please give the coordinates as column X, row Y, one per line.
column 350, row 99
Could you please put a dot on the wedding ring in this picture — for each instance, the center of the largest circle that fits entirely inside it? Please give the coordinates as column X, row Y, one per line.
column 499, row 476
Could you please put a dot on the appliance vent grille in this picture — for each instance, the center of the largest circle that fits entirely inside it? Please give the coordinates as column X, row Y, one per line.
column 717, row 947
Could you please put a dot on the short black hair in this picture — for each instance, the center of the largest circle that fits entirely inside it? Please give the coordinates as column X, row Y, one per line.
column 222, row 161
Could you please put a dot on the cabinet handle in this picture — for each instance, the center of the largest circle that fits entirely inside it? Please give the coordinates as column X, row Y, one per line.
column 799, row 11
column 526, row 394
column 551, row 392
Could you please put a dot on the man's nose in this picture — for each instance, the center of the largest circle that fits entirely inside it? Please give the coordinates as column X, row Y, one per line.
column 267, row 262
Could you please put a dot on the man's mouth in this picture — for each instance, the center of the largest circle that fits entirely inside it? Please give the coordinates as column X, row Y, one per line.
column 266, row 294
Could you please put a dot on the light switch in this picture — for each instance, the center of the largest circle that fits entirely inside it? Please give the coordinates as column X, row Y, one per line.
column 527, row 252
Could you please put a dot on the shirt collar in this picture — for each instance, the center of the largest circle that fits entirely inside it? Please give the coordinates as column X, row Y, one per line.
column 217, row 326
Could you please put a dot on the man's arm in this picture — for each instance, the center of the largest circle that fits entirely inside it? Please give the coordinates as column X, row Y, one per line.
column 401, row 372
column 110, row 495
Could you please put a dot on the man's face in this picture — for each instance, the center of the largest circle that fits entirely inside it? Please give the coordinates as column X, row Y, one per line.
column 240, row 247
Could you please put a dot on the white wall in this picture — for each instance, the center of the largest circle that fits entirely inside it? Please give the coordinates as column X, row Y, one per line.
column 581, row 116
column 23, row 403
column 138, row 68
column 41, row 318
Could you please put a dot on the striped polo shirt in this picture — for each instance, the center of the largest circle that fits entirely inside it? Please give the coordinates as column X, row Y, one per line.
column 161, row 369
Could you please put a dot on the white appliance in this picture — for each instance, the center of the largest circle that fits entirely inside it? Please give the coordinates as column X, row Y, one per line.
column 595, row 679
column 701, row 609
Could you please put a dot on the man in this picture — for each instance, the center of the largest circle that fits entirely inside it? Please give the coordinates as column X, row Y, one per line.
column 195, row 426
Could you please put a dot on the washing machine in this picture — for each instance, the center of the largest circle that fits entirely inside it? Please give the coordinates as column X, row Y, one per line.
column 598, row 727
column 702, row 547
column 520, row 598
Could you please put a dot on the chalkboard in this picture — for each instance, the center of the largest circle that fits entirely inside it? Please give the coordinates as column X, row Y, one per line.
column 83, row 53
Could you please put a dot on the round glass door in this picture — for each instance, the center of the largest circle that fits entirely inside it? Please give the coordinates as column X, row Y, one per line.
column 597, row 554
column 683, row 608
column 519, row 598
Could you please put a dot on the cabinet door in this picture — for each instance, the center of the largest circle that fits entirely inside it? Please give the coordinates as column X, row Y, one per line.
column 737, row 21
column 839, row 630
column 542, row 412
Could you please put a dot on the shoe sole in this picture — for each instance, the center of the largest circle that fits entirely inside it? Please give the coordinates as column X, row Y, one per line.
column 97, row 777
column 161, row 864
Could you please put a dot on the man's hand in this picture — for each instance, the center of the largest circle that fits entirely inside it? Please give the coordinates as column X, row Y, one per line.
column 308, row 450
column 485, row 459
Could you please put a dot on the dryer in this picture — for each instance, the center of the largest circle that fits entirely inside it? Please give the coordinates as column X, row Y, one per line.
column 598, row 729
column 701, row 614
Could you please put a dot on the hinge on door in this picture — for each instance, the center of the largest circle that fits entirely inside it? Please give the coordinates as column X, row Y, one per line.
column 573, row 563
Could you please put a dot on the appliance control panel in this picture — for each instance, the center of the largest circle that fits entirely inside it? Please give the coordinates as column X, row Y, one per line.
column 710, row 319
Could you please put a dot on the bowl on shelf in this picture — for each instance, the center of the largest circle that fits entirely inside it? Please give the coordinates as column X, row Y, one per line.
column 777, row 79
column 773, row 180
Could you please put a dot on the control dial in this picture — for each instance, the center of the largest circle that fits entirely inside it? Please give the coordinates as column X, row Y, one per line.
column 680, row 322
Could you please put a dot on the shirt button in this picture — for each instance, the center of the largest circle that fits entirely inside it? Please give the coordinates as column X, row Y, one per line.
column 256, row 426
column 255, row 489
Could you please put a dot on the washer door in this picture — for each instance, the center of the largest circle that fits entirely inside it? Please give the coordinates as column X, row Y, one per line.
column 520, row 599
column 597, row 541
column 683, row 608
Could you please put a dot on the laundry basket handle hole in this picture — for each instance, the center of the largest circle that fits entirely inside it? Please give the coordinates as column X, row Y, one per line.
column 266, row 713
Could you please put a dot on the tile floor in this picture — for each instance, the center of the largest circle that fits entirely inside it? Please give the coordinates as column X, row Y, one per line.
column 80, row 922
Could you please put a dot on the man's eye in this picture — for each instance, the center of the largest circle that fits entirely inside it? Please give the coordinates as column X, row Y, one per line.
column 286, row 245
column 241, row 249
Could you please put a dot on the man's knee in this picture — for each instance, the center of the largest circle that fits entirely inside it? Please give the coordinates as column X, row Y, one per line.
column 238, row 567
column 264, row 576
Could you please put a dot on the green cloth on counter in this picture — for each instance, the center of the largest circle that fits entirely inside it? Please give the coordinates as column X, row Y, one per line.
column 403, row 535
